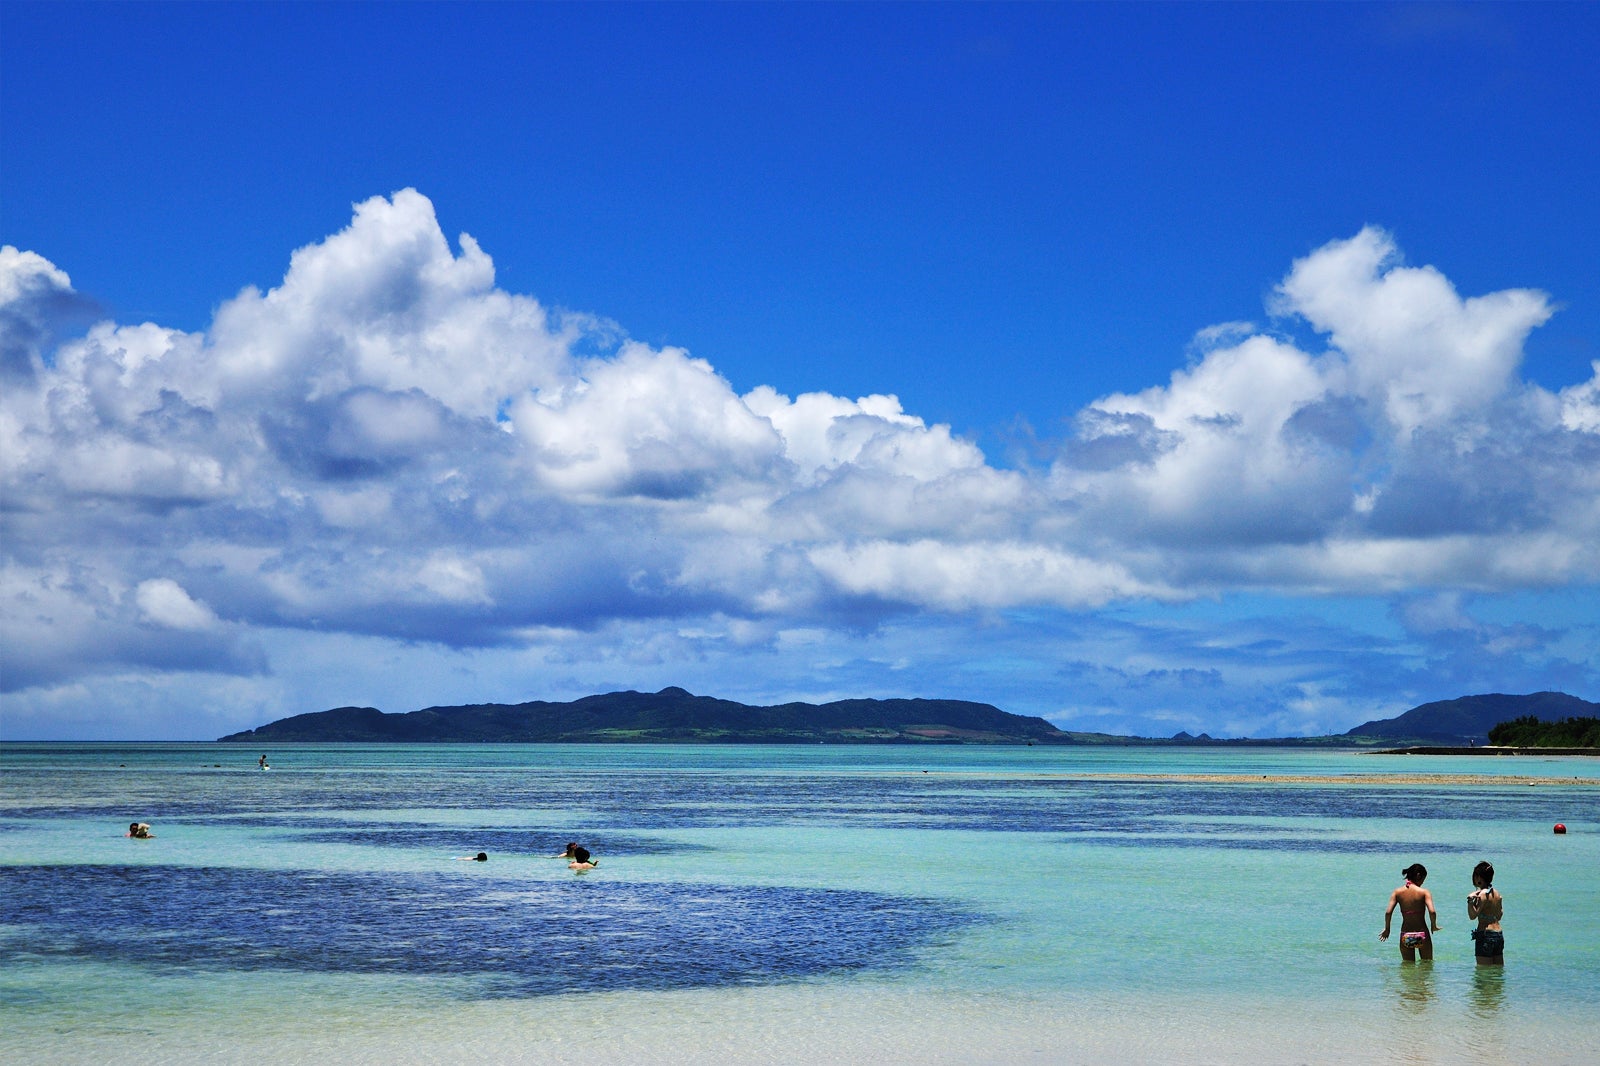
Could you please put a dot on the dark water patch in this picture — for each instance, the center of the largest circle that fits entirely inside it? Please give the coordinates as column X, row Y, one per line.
column 511, row 937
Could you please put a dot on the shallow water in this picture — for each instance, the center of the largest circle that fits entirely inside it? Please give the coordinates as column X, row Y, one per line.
column 778, row 904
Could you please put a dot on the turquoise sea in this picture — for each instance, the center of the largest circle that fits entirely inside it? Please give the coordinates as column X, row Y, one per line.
column 785, row 904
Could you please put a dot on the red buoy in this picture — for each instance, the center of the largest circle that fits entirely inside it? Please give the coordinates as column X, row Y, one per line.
column 1561, row 827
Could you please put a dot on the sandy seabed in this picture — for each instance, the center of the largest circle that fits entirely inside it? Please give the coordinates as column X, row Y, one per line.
column 834, row 1025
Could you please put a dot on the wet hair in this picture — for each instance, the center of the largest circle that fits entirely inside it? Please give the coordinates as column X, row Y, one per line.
column 1484, row 872
column 1416, row 873
column 482, row 856
column 580, row 854
column 572, row 846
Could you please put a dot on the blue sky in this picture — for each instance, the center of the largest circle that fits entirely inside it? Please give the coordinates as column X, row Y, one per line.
column 1146, row 367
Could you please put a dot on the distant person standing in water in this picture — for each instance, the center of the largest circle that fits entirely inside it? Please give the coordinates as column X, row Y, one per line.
column 140, row 830
column 1416, row 939
column 581, row 861
column 1486, row 905
column 262, row 762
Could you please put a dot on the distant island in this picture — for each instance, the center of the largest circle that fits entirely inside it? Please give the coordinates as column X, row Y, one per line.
column 672, row 715
column 675, row 715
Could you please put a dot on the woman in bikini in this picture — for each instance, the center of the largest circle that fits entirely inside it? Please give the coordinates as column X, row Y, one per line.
column 1486, row 905
column 1413, row 900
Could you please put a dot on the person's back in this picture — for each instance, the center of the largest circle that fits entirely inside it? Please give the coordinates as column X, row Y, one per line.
column 1413, row 902
column 1487, row 906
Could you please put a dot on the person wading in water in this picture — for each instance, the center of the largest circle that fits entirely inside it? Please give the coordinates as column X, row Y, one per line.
column 1416, row 938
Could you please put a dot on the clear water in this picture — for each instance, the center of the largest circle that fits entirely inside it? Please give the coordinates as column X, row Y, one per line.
column 784, row 904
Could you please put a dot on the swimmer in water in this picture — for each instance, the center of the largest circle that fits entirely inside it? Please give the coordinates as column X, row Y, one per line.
column 581, row 861
column 1413, row 900
column 140, row 830
column 482, row 856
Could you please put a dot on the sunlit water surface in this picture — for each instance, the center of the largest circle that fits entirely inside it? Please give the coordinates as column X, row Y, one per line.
column 784, row 904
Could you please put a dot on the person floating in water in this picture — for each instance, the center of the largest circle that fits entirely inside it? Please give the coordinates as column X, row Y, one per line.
column 140, row 830
column 1486, row 905
column 482, row 856
column 568, row 852
column 262, row 762
column 581, row 861
column 1412, row 899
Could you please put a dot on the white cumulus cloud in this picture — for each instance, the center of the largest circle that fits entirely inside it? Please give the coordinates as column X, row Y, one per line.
column 389, row 446
column 1407, row 452
column 1410, row 343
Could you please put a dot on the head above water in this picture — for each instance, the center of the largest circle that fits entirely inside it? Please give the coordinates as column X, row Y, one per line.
column 1416, row 873
column 481, row 857
column 1483, row 874
column 580, row 854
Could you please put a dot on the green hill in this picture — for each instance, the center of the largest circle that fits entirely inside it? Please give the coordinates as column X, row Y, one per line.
column 1468, row 720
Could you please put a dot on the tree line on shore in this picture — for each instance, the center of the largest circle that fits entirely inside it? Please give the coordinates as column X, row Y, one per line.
column 1529, row 732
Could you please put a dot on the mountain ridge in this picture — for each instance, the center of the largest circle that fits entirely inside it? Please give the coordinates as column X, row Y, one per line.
column 1468, row 719
column 670, row 715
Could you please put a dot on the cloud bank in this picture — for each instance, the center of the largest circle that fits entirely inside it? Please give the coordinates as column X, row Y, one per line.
column 386, row 445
